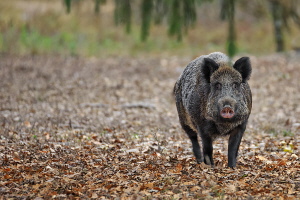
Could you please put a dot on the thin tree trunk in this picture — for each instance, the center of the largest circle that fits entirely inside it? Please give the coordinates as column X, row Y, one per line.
column 276, row 10
column 231, row 41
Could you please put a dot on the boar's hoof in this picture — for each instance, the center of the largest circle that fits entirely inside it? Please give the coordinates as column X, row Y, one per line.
column 208, row 161
column 227, row 112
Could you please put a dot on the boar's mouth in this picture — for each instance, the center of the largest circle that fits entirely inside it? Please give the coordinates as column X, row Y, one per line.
column 225, row 114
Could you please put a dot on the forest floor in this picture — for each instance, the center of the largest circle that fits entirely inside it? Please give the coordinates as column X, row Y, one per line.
column 108, row 129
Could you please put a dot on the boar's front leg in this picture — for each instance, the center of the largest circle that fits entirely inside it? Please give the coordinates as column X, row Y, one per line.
column 234, row 144
column 207, row 149
column 194, row 139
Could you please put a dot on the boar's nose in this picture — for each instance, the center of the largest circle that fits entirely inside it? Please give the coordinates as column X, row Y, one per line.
column 227, row 112
column 227, row 106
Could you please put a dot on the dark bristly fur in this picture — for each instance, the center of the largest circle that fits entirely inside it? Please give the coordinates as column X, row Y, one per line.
column 210, row 85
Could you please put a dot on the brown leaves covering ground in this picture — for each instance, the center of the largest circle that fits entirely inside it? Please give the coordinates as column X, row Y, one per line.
column 108, row 128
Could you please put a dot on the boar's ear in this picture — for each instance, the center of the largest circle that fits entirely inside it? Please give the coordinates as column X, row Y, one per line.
column 208, row 67
column 243, row 66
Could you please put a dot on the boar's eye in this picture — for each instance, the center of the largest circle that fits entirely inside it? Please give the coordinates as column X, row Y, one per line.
column 235, row 85
column 218, row 86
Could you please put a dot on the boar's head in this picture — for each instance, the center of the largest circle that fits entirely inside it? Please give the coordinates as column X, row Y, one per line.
column 229, row 96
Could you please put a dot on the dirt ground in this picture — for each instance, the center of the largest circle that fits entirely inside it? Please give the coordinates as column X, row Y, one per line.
column 108, row 129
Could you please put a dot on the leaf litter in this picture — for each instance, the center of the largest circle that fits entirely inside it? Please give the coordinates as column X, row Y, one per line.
column 107, row 128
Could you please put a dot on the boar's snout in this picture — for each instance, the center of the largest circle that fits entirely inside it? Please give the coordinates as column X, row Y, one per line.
column 227, row 112
column 226, row 107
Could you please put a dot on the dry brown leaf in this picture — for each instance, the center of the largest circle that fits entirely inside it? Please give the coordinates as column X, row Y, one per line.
column 27, row 124
column 94, row 195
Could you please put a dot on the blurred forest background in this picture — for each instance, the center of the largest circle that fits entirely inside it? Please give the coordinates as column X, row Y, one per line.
column 138, row 27
column 86, row 109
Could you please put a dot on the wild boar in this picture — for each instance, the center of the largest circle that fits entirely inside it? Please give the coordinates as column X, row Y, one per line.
column 213, row 99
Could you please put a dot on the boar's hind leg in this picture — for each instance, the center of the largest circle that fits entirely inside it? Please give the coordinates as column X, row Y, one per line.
column 234, row 144
column 194, row 138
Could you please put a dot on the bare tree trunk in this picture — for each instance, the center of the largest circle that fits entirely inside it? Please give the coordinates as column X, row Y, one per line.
column 277, row 14
column 231, row 41
column 227, row 12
